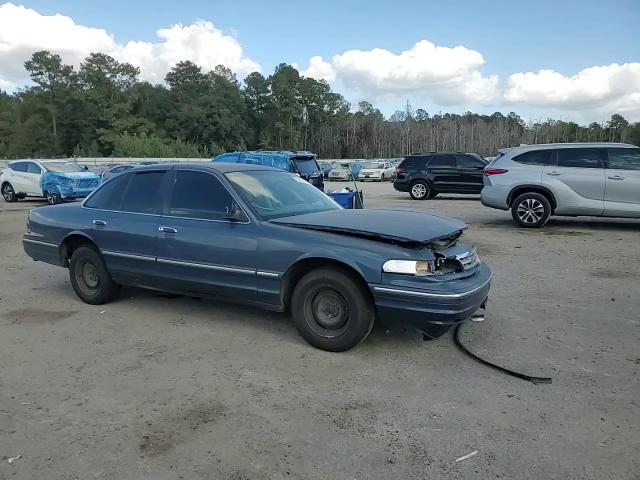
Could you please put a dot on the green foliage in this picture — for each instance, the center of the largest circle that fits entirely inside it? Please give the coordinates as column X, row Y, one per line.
column 102, row 109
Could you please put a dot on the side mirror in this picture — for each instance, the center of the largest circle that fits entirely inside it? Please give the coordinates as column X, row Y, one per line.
column 235, row 213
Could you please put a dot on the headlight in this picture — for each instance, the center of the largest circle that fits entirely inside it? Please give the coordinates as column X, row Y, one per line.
column 419, row 268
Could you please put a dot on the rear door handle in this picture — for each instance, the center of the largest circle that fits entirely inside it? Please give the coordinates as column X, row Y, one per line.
column 100, row 223
column 615, row 177
column 554, row 173
column 168, row 230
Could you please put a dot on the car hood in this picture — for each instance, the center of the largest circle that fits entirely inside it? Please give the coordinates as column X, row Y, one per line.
column 387, row 225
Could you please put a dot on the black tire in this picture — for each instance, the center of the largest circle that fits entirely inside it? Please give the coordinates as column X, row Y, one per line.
column 331, row 310
column 531, row 210
column 53, row 197
column 8, row 193
column 420, row 190
column 89, row 276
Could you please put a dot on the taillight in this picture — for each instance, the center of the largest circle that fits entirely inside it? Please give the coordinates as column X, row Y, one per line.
column 495, row 171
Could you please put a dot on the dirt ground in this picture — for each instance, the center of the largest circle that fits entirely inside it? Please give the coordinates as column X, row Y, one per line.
column 156, row 387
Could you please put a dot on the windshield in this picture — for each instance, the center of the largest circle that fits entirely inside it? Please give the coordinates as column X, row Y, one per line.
column 374, row 165
column 280, row 194
column 306, row 166
column 62, row 167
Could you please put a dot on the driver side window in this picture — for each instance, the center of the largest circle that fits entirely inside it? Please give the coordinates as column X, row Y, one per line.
column 199, row 195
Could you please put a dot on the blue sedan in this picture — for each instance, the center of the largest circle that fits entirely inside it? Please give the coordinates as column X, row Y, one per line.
column 268, row 238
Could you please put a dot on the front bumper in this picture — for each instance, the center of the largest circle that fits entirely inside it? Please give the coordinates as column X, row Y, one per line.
column 433, row 309
column 69, row 192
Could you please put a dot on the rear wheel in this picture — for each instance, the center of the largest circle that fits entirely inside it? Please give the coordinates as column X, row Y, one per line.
column 531, row 210
column 8, row 193
column 89, row 276
column 331, row 310
column 420, row 190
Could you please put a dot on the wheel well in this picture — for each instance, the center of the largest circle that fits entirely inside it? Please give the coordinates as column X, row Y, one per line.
column 299, row 269
column 70, row 245
column 516, row 192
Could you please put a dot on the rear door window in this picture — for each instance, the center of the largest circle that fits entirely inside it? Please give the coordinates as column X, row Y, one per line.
column 467, row 161
column 535, row 157
column 624, row 159
column 141, row 195
column 581, row 157
column 443, row 161
column 199, row 195
column 19, row 166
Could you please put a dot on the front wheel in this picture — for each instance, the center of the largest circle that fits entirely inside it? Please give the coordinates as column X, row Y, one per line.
column 531, row 210
column 419, row 190
column 331, row 310
column 89, row 276
column 8, row 193
column 53, row 197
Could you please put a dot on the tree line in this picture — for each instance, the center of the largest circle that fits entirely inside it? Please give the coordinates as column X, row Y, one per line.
column 103, row 109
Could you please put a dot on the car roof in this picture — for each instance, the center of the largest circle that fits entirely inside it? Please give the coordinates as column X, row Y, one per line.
column 543, row 146
column 221, row 167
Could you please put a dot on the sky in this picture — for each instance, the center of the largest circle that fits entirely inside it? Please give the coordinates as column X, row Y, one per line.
column 574, row 60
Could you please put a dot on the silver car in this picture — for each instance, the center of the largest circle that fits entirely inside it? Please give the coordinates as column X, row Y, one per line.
column 565, row 179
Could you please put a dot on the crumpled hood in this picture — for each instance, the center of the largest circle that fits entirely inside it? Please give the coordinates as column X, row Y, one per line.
column 405, row 226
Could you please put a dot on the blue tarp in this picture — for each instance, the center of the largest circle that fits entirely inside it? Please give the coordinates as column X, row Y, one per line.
column 69, row 185
column 281, row 160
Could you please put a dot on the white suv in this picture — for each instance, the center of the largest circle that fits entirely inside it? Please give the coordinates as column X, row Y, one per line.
column 55, row 180
column 569, row 179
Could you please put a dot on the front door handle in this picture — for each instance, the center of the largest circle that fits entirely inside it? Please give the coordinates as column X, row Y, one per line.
column 168, row 230
column 100, row 223
column 615, row 177
column 554, row 173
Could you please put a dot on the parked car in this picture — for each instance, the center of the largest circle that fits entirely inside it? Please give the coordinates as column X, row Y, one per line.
column 325, row 167
column 115, row 170
column 377, row 170
column 301, row 163
column 424, row 175
column 264, row 237
column 566, row 179
column 55, row 180
column 343, row 171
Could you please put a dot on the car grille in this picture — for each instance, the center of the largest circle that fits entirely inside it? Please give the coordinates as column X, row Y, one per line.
column 468, row 260
column 86, row 183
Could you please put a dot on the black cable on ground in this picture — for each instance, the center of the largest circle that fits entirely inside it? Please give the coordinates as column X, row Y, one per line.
column 536, row 380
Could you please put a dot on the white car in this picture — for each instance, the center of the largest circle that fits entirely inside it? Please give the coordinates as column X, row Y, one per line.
column 380, row 171
column 55, row 180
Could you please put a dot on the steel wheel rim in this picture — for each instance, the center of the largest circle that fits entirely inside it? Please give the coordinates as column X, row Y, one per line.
column 87, row 277
column 327, row 312
column 530, row 210
column 419, row 190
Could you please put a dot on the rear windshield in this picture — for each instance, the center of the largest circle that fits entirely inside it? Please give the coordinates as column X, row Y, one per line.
column 306, row 165
column 62, row 167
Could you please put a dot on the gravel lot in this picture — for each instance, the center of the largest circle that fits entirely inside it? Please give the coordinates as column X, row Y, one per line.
column 154, row 387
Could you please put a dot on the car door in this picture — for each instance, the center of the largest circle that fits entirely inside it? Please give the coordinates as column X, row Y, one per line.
column 33, row 177
column 470, row 171
column 576, row 179
column 200, row 248
column 443, row 173
column 122, row 218
column 18, row 177
column 622, row 183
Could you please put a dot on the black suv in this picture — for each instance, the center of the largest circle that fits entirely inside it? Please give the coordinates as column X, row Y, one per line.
column 424, row 175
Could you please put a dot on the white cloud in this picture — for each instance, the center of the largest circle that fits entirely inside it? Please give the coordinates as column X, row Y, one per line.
column 23, row 31
column 319, row 69
column 605, row 89
column 444, row 74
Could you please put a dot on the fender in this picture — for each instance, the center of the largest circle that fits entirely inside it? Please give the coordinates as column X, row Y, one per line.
column 532, row 187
